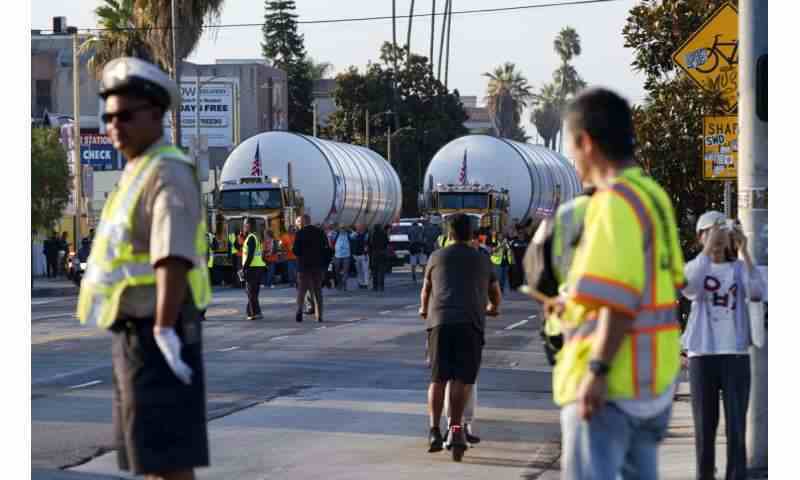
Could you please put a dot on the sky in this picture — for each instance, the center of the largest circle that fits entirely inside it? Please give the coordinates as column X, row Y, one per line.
column 479, row 42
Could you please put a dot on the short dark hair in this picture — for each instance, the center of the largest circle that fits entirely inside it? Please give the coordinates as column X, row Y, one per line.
column 461, row 227
column 251, row 221
column 606, row 117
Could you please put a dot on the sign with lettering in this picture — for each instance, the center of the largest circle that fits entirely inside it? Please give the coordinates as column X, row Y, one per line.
column 97, row 151
column 720, row 147
column 711, row 54
column 215, row 107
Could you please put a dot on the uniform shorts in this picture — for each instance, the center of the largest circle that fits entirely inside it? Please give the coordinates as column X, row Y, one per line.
column 455, row 352
column 417, row 259
column 159, row 422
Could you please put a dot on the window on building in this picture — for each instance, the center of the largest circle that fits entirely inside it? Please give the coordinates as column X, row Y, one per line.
column 44, row 99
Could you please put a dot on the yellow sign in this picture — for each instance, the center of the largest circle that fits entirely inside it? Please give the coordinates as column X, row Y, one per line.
column 711, row 55
column 720, row 147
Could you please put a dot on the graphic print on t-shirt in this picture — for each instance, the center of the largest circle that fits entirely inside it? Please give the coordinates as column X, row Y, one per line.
column 721, row 289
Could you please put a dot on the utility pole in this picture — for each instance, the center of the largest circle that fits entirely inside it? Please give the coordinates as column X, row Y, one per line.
column 449, row 18
column 433, row 32
column 389, row 143
column 366, row 121
column 314, row 116
column 441, row 41
column 752, row 183
column 408, row 35
column 176, row 75
column 76, row 143
column 270, row 94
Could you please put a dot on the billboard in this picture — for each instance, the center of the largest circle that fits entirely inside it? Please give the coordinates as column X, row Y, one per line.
column 215, row 107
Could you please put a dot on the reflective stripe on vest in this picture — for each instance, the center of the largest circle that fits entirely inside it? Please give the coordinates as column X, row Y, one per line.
column 232, row 243
column 497, row 255
column 445, row 241
column 647, row 362
column 258, row 260
column 113, row 266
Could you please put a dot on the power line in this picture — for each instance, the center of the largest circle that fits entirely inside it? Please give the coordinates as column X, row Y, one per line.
column 369, row 19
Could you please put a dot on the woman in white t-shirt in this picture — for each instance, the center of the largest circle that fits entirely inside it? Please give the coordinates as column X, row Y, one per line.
column 717, row 338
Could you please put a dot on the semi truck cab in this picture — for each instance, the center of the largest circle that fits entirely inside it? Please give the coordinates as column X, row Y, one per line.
column 487, row 203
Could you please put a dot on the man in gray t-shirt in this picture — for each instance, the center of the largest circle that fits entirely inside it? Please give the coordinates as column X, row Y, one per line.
column 459, row 290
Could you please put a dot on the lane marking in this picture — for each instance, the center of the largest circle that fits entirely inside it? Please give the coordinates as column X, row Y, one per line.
column 386, row 312
column 531, row 317
column 56, row 315
column 82, row 385
column 229, row 349
column 68, row 374
column 518, row 324
column 320, row 328
column 409, row 307
column 278, row 338
column 44, row 301
column 68, row 336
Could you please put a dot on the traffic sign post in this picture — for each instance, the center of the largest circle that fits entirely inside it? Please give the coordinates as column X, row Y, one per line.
column 711, row 55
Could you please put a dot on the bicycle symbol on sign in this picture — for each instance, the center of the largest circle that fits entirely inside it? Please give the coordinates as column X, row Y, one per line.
column 706, row 60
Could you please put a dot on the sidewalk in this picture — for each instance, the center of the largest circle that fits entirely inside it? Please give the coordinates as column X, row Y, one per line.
column 53, row 287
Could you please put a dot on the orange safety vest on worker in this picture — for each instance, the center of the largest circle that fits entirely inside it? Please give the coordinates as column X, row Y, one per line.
column 287, row 240
column 628, row 260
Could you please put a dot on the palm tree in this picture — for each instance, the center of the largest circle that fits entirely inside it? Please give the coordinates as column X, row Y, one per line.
column 567, row 46
column 546, row 114
column 118, row 36
column 506, row 95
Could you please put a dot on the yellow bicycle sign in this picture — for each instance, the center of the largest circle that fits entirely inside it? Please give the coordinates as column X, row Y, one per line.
column 711, row 55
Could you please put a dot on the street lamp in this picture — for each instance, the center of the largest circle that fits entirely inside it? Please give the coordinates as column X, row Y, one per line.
column 369, row 119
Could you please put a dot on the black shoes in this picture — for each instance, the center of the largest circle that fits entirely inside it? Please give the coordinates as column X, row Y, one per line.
column 435, row 441
column 298, row 317
column 456, row 442
column 472, row 439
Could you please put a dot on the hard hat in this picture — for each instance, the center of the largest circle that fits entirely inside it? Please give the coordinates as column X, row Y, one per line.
column 138, row 77
column 708, row 219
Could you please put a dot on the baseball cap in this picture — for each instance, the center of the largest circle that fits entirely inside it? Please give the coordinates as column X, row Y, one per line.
column 708, row 219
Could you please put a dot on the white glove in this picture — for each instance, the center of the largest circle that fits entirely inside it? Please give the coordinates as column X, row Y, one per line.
column 170, row 346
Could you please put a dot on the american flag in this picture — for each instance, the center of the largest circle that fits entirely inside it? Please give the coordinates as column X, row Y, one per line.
column 462, row 175
column 255, row 170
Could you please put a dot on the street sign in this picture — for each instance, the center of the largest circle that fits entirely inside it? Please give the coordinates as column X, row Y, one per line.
column 711, row 55
column 720, row 147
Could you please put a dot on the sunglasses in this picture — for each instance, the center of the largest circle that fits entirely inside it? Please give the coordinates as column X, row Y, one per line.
column 124, row 116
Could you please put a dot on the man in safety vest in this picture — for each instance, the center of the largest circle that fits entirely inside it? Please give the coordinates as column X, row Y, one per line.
column 502, row 258
column 615, row 375
column 147, row 280
column 547, row 263
column 253, row 268
column 234, row 248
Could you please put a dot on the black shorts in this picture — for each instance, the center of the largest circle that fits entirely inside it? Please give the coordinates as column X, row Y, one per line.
column 455, row 352
column 159, row 422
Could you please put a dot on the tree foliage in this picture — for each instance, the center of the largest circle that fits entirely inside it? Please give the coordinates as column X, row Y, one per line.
column 428, row 115
column 546, row 113
column 50, row 178
column 284, row 47
column 669, row 124
column 507, row 94
column 118, row 37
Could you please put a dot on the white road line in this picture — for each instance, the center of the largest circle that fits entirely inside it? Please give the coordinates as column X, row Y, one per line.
column 278, row 338
column 409, row 307
column 320, row 328
column 228, row 349
column 55, row 315
column 531, row 317
column 386, row 312
column 87, row 384
column 518, row 324
column 68, row 374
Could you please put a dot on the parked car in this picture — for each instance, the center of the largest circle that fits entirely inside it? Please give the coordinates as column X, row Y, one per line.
column 399, row 246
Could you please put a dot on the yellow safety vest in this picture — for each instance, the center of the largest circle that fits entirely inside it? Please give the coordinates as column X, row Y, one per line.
column 499, row 251
column 628, row 260
column 444, row 241
column 567, row 226
column 258, row 260
column 232, row 243
column 114, row 266
column 210, row 251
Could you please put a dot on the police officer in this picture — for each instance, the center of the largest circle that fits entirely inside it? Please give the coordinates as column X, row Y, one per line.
column 147, row 280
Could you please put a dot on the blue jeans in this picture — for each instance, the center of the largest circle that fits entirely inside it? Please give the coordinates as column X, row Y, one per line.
column 291, row 268
column 612, row 445
column 270, row 275
column 501, row 271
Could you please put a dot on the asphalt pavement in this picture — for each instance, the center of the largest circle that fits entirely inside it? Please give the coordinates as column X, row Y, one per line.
column 342, row 399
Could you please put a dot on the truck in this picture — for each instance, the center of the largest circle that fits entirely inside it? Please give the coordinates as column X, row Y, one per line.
column 332, row 182
column 499, row 182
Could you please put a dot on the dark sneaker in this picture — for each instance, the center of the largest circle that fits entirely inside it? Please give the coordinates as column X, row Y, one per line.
column 435, row 441
column 472, row 439
column 456, row 442
column 298, row 317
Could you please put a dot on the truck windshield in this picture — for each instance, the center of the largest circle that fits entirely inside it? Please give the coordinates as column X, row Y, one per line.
column 463, row 200
column 251, row 199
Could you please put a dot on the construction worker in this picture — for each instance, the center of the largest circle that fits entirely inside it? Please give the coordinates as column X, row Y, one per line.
column 147, row 280
column 234, row 247
column 502, row 259
column 548, row 259
column 253, row 267
column 616, row 373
